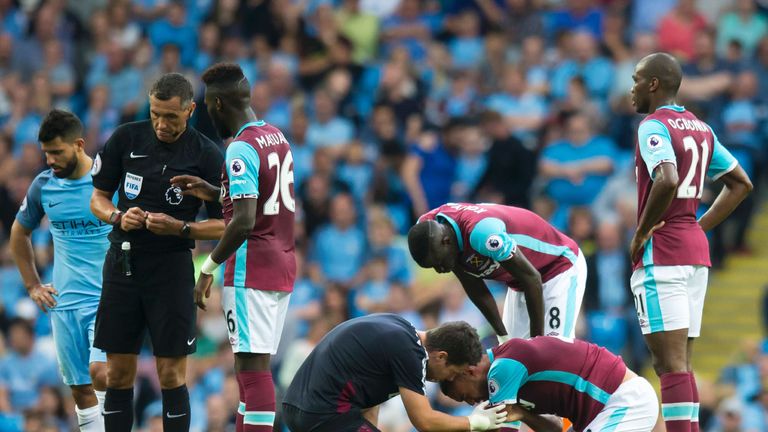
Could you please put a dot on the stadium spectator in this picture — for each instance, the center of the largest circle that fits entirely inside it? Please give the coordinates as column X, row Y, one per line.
column 678, row 29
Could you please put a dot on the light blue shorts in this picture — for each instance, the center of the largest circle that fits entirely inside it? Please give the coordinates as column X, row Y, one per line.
column 73, row 334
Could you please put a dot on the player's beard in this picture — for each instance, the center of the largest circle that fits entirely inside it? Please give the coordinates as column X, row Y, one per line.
column 68, row 169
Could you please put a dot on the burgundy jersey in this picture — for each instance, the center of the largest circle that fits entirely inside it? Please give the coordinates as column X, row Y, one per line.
column 259, row 165
column 490, row 233
column 674, row 135
column 551, row 375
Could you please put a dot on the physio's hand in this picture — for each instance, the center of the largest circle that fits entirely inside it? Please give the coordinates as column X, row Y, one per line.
column 197, row 187
column 133, row 219
column 203, row 290
column 42, row 295
column 485, row 418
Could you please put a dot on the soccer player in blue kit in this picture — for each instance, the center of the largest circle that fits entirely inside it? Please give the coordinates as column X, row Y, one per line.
column 63, row 193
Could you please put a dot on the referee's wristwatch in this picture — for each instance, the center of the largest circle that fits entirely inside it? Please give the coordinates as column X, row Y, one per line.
column 115, row 217
column 186, row 230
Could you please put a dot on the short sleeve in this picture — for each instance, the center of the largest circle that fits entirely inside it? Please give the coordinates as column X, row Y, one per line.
column 408, row 363
column 242, row 170
column 505, row 378
column 722, row 161
column 655, row 144
column 107, row 168
column 489, row 237
column 31, row 210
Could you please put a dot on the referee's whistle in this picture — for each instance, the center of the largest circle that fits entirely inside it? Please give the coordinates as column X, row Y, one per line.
column 126, row 247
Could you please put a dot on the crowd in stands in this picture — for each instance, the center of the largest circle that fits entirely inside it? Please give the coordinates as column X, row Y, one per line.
column 392, row 107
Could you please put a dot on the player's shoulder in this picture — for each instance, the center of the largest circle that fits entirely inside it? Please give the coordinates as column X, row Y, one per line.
column 41, row 180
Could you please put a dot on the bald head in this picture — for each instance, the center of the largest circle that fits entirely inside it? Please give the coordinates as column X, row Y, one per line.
column 663, row 67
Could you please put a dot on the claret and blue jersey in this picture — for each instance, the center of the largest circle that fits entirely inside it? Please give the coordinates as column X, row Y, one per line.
column 488, row 234
column 79, row 238
column 674, row 135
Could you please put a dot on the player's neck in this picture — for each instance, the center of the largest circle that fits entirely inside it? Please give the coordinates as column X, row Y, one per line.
column 666, row 101
column 242, row 118
column 84, row 165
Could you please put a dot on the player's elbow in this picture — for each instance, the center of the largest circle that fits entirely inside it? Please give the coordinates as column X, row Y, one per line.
column 243, row 225
column 746, row 187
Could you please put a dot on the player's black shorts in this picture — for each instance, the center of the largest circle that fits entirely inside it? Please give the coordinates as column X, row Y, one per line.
column 302, row 421
column 156, row 297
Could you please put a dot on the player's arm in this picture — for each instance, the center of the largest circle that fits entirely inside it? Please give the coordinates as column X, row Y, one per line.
column 490, row 238
column 242, row 165
column 534, row 421
column 529, row 279
column 197, row 187
column 481, row 296
column 426, row 419
column 655, row 145
column 24, row 256
column 724, row 166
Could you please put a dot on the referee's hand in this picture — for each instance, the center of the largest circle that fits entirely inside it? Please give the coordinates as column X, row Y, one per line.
column 203, row 290
column 133, row 219
column 197, row 187
column 42, row 294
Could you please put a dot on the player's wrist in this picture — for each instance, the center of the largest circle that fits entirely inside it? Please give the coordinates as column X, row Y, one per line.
column 209, row 266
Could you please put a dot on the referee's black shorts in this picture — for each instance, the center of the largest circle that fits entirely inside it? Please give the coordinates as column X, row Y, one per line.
column 156, row 297
column 302, row 421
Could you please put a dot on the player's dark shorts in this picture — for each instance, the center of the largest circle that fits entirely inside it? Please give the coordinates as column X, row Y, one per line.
column 302, row 421
column 156, row 297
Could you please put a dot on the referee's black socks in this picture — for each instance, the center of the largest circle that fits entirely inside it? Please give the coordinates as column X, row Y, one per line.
column 118, row 410
column 176, row 409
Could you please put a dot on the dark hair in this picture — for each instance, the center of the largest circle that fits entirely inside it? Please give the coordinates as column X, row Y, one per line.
column 418, row 242
column 172, row 85
column 459, row 340
column 60, row 124
column 223, row 73
column 24, row 324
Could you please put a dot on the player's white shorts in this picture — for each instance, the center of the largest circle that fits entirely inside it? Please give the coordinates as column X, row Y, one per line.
column 633, row 407
column 562, row 301
column 255, row 318
column 73, row 337
column 670, row 297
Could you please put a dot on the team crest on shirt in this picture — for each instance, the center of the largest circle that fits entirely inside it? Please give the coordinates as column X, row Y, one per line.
column 237, row 167
column 494, row 243
column 174, row 196
column 493, row 387
column 132, row 185
column 96, row 168
column 480, row 266
column 654, row 142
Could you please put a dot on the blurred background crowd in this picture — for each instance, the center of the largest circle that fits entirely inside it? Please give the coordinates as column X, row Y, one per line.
column 392, row 107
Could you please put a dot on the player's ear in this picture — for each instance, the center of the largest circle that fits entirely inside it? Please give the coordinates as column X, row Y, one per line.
column 653, row 84
column 192, row 106
column 80, row 143
column 219, row 105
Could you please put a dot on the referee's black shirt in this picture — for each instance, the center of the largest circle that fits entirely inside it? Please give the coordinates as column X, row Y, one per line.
column 139, row 166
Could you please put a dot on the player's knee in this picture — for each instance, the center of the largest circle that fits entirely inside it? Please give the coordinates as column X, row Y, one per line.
column 98, row 372
column 669, row 363
column 120, row 377
column 83, row 396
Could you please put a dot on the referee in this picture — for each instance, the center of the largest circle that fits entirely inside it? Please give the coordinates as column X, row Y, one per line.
column 148, row 270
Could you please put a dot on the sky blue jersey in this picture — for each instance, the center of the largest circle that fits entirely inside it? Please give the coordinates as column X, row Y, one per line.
column 79, row 238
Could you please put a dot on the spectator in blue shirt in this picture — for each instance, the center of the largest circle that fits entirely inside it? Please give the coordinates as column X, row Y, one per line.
column 174, row 29
column 339, row 247
column 578, row 15
column 24, row 370
column 124, row 81
column 524, row 111
column 577, row 167
column 584, row 61
column 326, row 128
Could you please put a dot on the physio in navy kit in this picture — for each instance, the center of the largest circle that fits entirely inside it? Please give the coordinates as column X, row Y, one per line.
column 366, row 361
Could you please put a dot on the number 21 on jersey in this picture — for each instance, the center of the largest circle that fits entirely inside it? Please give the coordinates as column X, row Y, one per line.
column 283, row 181
column 699, row 162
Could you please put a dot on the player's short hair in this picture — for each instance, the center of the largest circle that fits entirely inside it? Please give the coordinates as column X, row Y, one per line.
column 60, row 124
column 173, row 85
column 459, row 340
column 223, row 74
column 418, row 242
